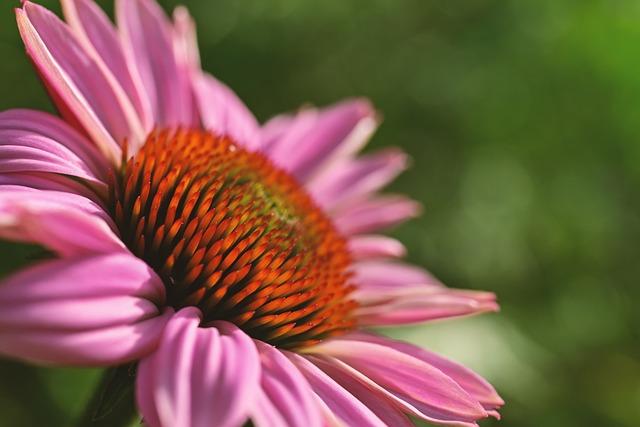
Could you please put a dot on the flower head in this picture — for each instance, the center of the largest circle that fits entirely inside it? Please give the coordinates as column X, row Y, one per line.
column 239, row 264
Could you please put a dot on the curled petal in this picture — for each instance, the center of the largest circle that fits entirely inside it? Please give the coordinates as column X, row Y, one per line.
column 312, row 140
column 22, row 152
column 62, row 312
column 70, row 152
column 66, row 223
column 419, row 388
column 198, row 375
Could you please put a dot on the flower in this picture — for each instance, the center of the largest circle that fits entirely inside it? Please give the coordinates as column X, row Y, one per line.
column 240, row 264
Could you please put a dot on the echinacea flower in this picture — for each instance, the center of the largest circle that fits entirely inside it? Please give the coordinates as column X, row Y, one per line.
column 238, row 264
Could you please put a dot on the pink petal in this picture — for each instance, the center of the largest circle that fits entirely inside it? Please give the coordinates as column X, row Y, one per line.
column 24, row 152
column 313, row 139
column 99, row 38
column 375, row 246
column 471, row 382
column 375, row 214
column 417, row 387
column 375, row 275
column 355, row 179
column 377, row 402
column 77, row 83
column 92, row 313
column 342, row 404
column 185, row 39
column 47, row 181
column 60, row 135
column 149, row 47
column 391, row 293
column 415, row 312
column 62, row 312
column 198, row 375
column 66, row 223
column 222, row 112
column 286, row 398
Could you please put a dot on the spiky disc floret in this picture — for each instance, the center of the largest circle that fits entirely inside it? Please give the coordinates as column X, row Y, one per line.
column 237, row 237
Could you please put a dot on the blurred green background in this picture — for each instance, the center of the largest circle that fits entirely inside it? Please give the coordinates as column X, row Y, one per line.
column 522, row 120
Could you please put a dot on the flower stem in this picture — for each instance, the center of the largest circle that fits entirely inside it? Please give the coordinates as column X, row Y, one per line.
column 112, row 403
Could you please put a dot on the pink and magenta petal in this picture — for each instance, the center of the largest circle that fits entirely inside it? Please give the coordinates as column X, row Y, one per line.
column 222, row 112
column 185, row 39
column 373, row 246
column 391, row 293
column 77, row 84
column 357, row 179
column 286, row 398
column 471, row 382
column 51, row 182
column 417, row 387
column 65, row 223
column 61, row 311
column 198, row 375
column 54, row 135
column 312, row 140
column 149, row 47
column 375, row 278
column 341, row 404
column 375, row 214
column 418, row 303
column 100, row 39
column 377, row 402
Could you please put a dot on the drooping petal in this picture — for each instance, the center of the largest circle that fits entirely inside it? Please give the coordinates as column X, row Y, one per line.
column 55, row 135
column 100, row 39
column 375, row 214
column 471, row 382
column 149, row 46
column 66, row 223
column 392, row 292
column 286, row 398
column 222, row 112
column 419, row 388
column 375, row 246
column 62, row 311
column 342, row 404
column 418, row 303
column 199, row 376
column 356, row 179
column 313, row 139
column 77, row 84
column 377, row 402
